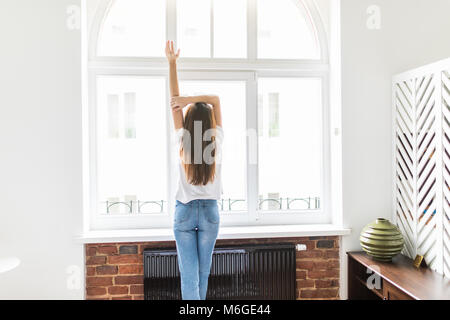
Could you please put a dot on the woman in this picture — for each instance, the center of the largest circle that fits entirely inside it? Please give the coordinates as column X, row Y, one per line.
column 196, row 218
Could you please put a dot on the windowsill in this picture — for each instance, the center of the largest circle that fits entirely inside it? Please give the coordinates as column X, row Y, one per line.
column 241, row 232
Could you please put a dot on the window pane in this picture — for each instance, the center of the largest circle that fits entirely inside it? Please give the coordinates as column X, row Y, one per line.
column 230, row 38
column 289, row 146
column 131, row 144
column 193, row 25
column 285, row 31
column 134, row 28
column 232, row 98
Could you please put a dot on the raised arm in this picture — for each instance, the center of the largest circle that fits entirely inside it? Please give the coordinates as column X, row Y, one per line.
column 177, row 112
column 213, row 100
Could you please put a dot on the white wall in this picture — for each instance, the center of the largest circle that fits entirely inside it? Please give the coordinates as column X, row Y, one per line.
column 413, row 33
column 40, row 149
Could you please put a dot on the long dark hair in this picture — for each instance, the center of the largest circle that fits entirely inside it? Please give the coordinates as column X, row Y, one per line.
column 198, row 172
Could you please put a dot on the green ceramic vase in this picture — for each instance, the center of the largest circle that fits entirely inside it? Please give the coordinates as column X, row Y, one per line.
column 381, row 240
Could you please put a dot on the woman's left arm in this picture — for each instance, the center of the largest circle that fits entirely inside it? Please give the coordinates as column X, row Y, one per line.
column 213, row 100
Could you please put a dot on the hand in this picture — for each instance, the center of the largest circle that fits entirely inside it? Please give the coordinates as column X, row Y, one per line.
column 178, row 103
column 170, row 52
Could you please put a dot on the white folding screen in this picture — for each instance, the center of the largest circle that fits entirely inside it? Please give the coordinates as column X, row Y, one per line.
column 446, row 172
column 421, row 137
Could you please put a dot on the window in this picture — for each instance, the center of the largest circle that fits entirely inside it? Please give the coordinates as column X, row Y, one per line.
column 291, row 109
column 128, row 26
column 270, row 69
column 193, row 21
column 130, row 120
column 223, row 29
column 279, row 22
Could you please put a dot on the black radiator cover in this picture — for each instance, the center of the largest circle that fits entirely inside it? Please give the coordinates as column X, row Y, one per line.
column 237, row 272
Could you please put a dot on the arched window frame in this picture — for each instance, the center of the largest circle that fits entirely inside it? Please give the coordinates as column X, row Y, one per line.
column 248, row 69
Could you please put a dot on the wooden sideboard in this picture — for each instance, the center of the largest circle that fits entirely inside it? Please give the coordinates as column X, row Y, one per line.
column 396, row 280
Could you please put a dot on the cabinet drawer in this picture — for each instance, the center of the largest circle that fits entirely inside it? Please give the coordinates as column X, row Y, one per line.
column 391, row 292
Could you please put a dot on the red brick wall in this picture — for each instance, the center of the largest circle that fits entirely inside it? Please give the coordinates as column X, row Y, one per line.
column 115, row 270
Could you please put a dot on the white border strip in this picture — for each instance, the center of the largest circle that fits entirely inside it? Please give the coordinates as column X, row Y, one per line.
column 246, row 232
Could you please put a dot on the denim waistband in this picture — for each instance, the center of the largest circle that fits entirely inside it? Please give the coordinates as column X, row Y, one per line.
column 199, row 202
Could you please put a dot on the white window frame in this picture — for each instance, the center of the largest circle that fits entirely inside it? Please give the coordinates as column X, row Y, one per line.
column 249, row 70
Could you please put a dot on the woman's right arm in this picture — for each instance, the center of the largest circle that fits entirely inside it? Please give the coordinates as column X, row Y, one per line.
column 213, row 100
column 177, row 113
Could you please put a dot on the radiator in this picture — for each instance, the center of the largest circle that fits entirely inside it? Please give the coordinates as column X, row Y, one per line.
column 237, row 272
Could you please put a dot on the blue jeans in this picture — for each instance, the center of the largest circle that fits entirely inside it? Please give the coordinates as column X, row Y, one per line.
column 196, row 225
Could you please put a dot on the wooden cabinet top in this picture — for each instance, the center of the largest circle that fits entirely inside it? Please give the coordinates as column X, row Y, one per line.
column 420, row 284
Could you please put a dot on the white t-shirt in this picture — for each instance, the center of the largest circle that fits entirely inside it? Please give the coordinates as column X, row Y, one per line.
column 187, row 192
